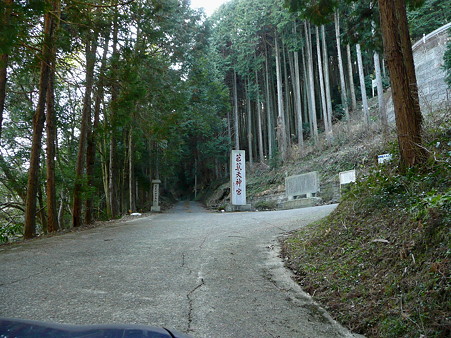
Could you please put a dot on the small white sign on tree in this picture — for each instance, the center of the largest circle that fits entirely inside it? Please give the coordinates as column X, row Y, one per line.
column 238, row 177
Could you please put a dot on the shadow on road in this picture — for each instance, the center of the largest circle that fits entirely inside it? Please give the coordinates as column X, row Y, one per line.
column 188, row 207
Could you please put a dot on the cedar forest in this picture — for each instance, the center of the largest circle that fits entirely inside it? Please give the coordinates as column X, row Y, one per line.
column 98, row 98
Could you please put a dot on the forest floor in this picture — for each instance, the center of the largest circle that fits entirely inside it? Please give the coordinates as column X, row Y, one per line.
column 380, row 264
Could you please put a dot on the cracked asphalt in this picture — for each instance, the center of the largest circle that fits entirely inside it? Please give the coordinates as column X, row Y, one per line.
column 202, row 273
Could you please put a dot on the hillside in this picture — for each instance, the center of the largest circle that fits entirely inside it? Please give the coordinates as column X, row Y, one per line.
column 354, row 146
column 381, row 262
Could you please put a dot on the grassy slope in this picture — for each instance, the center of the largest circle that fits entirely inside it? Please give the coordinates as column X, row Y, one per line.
column 381, row 262
column 353, row 147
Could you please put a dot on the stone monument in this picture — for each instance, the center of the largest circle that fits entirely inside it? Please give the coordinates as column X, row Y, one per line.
column 302, row 190
column 156, row 196
column 302, row 186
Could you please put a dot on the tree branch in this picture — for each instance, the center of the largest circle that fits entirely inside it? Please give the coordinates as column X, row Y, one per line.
column 11, row 205
column 106, row 6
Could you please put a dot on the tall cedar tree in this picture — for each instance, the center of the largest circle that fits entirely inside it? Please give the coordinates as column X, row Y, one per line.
column 4, row 62
column 48, row 54
column 113, row 160
column 91, row 46
column 92, row 132
column 52, row 214
column 398, row 52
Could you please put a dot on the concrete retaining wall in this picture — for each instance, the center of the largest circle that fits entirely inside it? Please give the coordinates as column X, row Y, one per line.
column 432, row 88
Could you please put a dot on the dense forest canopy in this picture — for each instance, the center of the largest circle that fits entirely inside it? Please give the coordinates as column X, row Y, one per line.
column 98, row 98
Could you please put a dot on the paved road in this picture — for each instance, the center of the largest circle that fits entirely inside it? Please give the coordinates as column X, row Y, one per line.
column 203, row 273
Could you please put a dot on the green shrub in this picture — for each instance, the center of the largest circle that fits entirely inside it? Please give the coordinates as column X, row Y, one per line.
column 9, row 231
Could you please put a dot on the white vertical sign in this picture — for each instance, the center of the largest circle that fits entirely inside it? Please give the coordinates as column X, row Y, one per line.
column 238, row 177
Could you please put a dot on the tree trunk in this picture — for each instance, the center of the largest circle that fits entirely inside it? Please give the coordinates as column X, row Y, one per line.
column 380, row 93
column 150, row 171
column 287, row 108
column 123, row 185
column 131, row 171
column 405, row 95
column 229, row 127
column 281, row 133
column 41, row 211
column 327, row 81
column 306, row 91
column 61, row 209
column 344, row 101
column 38, row 126
column 106, row 175
column 259, row 121
column 293, row 108
column 92, row 134
column 52, row 212
column 249, row 124
column 309, row 46
column 3, row 79
column 321, row 85
column 4, row 65
column 235, row 112
column 113, row 176
column 112, row 170
column 268, row 109
column 366, row 115
column 297, row 96
column 195, row 177
column 91, row 47
column 351, row 79
column 298, row 101
column 406, row 45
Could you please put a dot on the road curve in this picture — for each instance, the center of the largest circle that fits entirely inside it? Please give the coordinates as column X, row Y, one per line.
column 203, row 273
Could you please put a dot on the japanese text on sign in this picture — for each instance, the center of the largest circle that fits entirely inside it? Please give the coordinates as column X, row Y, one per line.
column 238, row 177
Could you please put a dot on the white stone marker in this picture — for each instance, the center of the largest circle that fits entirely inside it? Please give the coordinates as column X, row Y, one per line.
column 156, row 196
column 238, row 177
column 347, row 177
